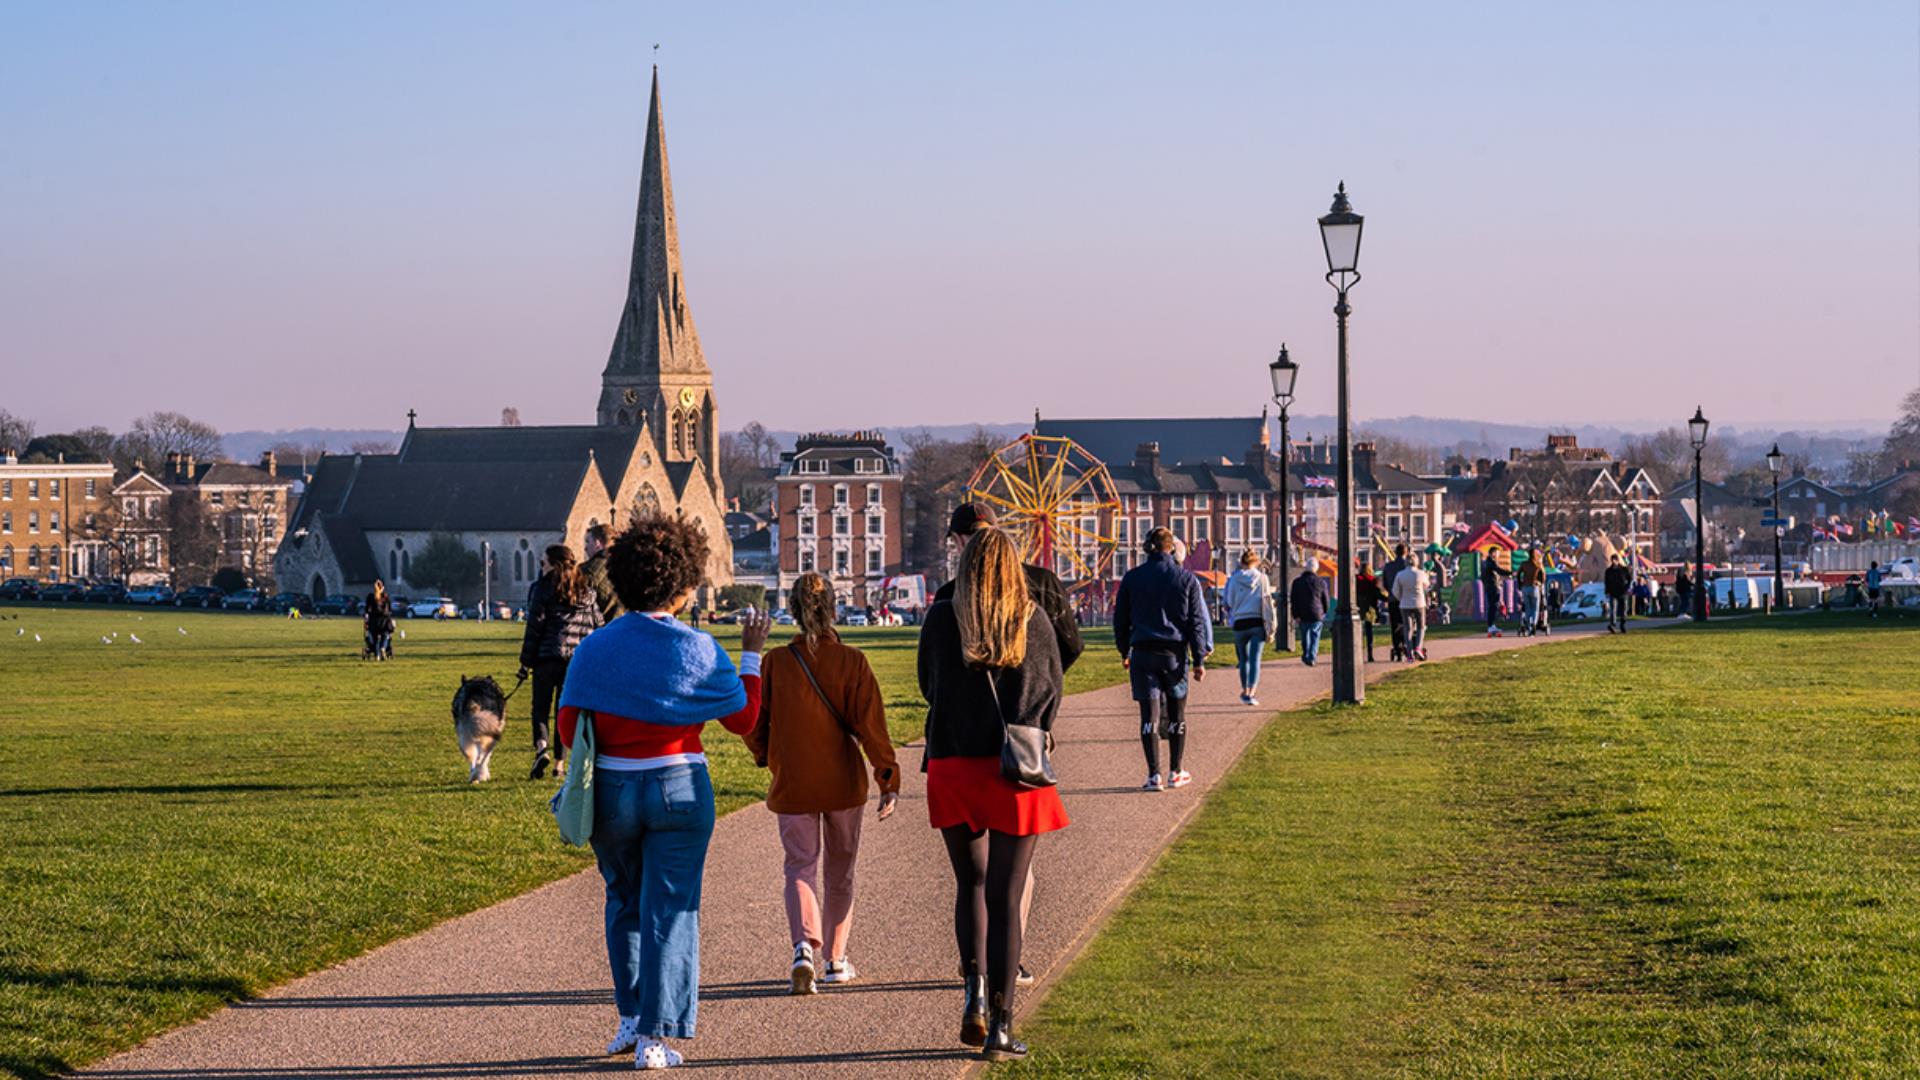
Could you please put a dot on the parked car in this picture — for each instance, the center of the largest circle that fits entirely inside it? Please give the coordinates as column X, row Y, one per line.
column 246, row 600
column 150, row 595
column 433, row 607
column 783, row 617
column 63, row 590
column 1588, row 601
column 19, row 588
column 106, row 592
column 338, row 604
column 854, row 618
column 284, row 602
column 499, row 610
column 398, row 605
column 200, row 596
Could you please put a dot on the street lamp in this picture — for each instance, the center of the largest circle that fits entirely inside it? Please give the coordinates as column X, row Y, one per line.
column 1697, row 431
column 1340, row 235
column 1774, row 460
column 1539, row 517
column 1284, row 372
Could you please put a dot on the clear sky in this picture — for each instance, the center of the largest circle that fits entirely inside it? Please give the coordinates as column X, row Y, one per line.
column 271, row 215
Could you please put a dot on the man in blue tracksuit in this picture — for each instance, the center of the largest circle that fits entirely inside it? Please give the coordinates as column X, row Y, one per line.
column 1160, row 624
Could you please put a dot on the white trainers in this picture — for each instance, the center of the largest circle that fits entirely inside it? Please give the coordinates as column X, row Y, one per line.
column 1153, row 784
column 803, row 968
column 839, row 971
column 1180, row 779
column 654, row 1054
column 1251, row 700
column 626, row 1036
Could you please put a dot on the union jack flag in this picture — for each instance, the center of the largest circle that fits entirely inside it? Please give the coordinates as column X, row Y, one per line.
column 1319, row 481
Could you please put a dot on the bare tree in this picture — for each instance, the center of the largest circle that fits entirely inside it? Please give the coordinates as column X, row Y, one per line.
column 933, row 483
column 760, row 445
column 158, row 434
column 1418, row 457
column 372, row 446
column 15, row 431
column 745, row 478
column 509, row 417
column 1668, row 455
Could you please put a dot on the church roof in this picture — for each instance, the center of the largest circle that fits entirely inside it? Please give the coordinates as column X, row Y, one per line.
column 611, row 447
column 656, row 332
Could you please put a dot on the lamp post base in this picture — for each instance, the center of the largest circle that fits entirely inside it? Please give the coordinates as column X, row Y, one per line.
column 1349, row 662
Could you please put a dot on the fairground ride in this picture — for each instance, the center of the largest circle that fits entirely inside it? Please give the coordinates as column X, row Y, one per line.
column 1056, row 500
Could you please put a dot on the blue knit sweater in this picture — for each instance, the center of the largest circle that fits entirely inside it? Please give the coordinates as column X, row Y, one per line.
column 659, row 671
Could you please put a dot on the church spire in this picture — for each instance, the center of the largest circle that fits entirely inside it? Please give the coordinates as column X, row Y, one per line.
column 656, row 335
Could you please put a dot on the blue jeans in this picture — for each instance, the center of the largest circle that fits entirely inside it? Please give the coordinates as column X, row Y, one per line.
column 1530, row 607
column 1310, row 639
column 1247, row 646
column 650, row 834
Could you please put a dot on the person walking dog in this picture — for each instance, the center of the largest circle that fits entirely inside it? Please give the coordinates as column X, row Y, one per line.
column 647, row 683
column 1308, row 601
column 820, row 706
column 1160, row 626
column 561, row 611
column 1250, row 610
column 988, row 664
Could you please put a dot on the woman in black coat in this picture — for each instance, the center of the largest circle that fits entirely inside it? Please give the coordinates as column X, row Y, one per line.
column 377, row 622
column 561, row 610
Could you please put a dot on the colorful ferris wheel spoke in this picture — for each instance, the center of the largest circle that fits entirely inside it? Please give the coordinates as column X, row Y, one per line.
column 1048, row 491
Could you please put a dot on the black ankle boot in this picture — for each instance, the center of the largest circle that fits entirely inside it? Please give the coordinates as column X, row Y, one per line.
column 1000, row 1042
column 973, row 1016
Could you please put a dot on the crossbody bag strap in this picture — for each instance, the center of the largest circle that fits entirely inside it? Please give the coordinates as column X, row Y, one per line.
column 821, row 694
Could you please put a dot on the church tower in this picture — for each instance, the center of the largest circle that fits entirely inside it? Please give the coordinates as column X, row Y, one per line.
column 656, row 373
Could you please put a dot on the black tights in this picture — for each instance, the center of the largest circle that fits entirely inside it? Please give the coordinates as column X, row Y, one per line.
column 1176, row 730
column 989, row 873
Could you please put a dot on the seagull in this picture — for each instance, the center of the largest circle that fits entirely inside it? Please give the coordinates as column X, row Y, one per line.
column 403, row 635
column 21, row 632
column 183, row 631
column 135, row 638
column 36, row 637
column 105, row 640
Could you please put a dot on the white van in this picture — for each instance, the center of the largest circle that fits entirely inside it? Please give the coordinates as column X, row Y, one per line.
column 1588, row 601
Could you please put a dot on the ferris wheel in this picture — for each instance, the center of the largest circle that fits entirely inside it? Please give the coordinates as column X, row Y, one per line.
column 1056, row 500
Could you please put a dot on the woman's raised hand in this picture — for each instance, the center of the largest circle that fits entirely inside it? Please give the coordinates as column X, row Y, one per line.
column 753, row 632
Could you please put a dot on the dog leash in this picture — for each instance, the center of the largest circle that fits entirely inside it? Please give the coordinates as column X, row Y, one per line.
column 520, row 682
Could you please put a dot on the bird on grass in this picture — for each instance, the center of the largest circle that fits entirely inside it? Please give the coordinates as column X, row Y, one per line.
column 20, row 632
column 183, row 631
column 105, row 640
column 135, row 638
column 36, row 637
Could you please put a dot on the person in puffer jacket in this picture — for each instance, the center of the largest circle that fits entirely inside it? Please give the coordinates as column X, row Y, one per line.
column 561, row 610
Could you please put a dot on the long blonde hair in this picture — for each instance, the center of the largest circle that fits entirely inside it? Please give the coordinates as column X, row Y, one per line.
column 990, row 600
column 813, row 608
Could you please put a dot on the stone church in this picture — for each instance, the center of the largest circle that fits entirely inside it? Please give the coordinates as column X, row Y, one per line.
column 508, row 492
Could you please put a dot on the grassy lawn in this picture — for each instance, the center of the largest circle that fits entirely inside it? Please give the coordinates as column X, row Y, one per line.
column 195, row 818
column 1685, row 853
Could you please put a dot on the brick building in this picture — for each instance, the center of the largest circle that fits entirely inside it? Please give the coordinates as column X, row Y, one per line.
column 55, row 519
column 246, row 507
column 840, row 513
column 1580, row 489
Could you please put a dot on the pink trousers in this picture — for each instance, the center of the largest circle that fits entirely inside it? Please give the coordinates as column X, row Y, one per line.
column 813, row 890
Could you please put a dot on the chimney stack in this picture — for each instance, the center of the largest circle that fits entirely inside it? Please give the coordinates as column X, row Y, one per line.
column 270, row 462
column 1363, row 458
column 186, row 468
column 1146, row 458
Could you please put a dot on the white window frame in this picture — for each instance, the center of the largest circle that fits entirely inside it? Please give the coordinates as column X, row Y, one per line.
column 806, row 494
column 1236, row 528
column 1257, row 529
column 876, row 562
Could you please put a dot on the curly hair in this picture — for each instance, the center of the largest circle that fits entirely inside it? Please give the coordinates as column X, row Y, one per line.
column 656, row 560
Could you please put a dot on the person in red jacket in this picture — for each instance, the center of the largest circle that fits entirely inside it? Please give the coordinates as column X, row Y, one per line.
column 648, row 683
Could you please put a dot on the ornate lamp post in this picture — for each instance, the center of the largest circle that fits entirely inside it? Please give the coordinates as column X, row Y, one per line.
column 1340, row 235
column 1697, row 431
column 1774, row 460
column 1539, row 518
column 1283, row 371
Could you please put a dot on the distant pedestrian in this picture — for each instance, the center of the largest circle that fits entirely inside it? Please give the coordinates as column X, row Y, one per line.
column 648, row 684
column 988, row 662
column 1387, row 574
column 1366, row 589
column 1874, row 576
column 1160, row 627
column 1250, row 606
column 1411, row 585
column 1490, row 574
column 1618, row 584
column 1308, row 601
column 1682, row 593
column 594, row 573
column 1533, row 578
column 376, row 623
column 561, row 611
column 820, row 706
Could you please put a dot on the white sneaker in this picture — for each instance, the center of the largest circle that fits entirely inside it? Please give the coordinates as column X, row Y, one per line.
column 1180, row 779
column 839, row 971
column 654, row 1054
column 626, row 1036
column 1153, row 784
column 1251, row 700
column 803, row 968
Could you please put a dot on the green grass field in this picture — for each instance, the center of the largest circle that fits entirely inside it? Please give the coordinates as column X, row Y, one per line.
column 195, row 818
column 1692, row 852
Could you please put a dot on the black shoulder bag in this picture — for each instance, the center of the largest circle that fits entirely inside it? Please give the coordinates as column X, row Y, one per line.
column 1023, row 749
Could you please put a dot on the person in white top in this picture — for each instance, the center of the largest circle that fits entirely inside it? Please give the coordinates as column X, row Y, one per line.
column 1410, row 590
column 1251, row 614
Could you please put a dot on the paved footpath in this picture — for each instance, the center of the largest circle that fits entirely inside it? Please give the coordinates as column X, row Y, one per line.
column 520, row 988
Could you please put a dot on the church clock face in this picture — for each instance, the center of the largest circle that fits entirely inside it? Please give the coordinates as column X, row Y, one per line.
column 630, row 396
column 687, row 397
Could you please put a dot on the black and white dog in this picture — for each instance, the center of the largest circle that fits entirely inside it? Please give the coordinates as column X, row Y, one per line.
column 479, row 718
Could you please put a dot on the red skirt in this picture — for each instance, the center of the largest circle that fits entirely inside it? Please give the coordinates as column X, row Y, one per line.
column 970, row 791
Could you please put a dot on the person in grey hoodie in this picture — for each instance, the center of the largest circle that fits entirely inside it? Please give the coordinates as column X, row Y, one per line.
column 1250, row 611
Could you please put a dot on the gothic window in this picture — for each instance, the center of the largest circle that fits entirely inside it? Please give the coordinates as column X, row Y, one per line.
column 647, row 502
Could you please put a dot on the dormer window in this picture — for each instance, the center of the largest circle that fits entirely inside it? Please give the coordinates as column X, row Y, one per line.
column 813, row 465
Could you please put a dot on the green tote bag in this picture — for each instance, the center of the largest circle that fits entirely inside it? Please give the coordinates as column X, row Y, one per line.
column 573, row 804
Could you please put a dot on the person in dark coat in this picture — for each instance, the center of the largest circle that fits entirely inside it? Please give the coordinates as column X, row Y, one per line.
column 1683, row 592
column 1619, row 586
column 1395, row 625
column 377, row 621
column 1043, row 585
column 561, row 610
column 1307, row 601
column 1366, row 588
column 594, row 573
column 1490, row 574
column 1160, row 626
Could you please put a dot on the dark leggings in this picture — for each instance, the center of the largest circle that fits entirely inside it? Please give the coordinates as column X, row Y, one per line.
column 548, row 677
column 1176, row 708
column 989, row 872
